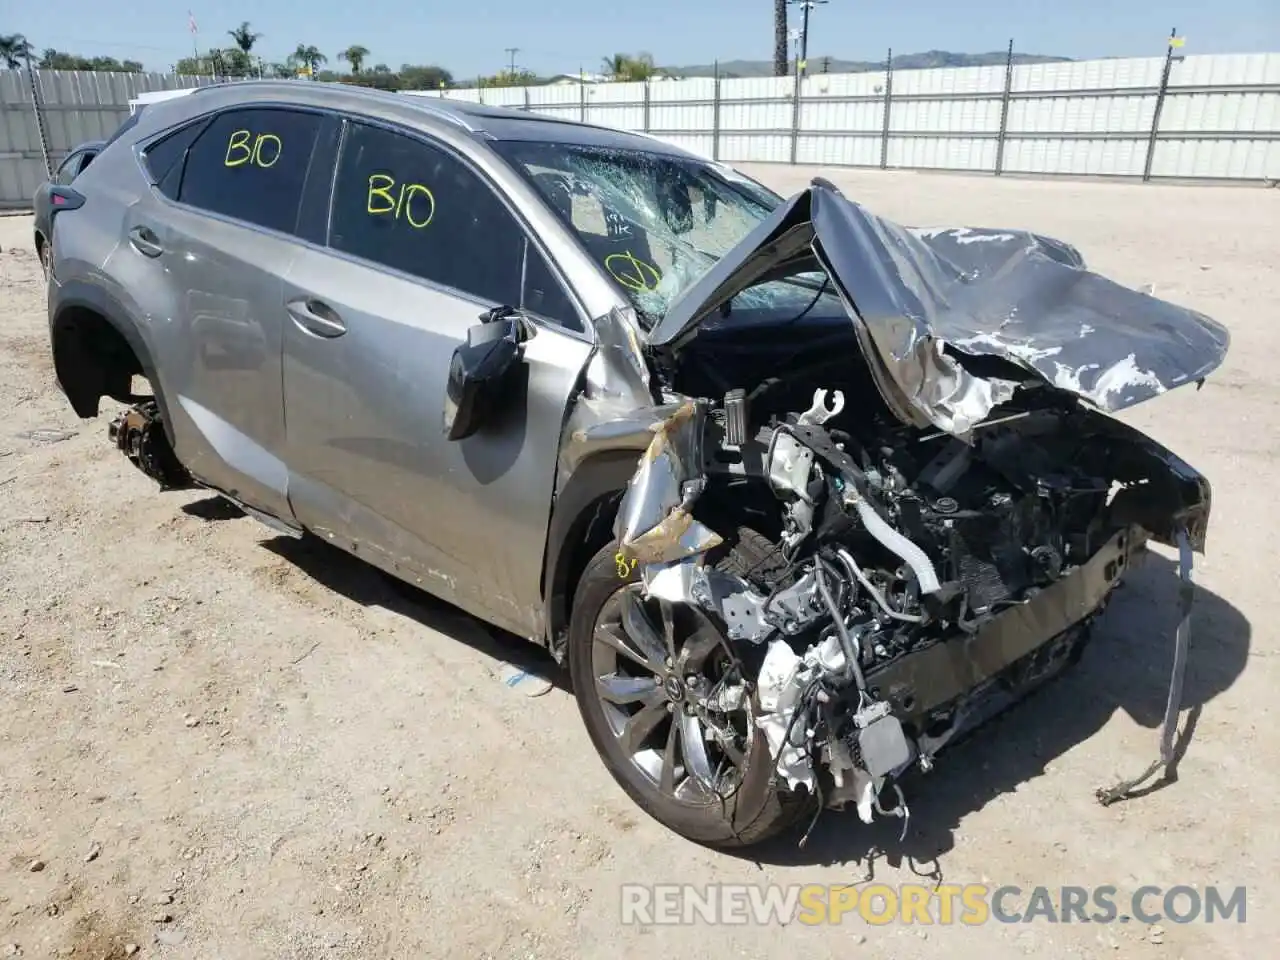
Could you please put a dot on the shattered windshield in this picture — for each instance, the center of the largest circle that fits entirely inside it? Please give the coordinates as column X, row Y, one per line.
column 656, row 222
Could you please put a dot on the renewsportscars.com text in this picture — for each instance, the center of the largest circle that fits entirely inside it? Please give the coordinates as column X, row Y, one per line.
column 921, row 904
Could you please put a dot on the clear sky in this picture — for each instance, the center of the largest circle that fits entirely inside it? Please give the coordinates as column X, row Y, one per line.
column 469, row 37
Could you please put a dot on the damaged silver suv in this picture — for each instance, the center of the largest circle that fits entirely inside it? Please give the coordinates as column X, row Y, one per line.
column 799, row 495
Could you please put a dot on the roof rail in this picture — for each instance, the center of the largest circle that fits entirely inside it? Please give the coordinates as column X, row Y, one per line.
column 451, row 116
column 428, row 104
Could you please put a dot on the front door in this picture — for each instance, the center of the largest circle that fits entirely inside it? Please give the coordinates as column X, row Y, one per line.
column 420, row 246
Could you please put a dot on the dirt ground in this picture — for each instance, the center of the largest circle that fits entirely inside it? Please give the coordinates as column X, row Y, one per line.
column 220, row 743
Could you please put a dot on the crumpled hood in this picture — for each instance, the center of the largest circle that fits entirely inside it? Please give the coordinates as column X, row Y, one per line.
column 925, row 303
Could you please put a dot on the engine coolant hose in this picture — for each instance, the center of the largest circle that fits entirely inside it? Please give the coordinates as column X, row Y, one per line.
column 892, row 540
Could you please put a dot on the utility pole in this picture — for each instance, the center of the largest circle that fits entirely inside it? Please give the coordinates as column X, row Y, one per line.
column 511, row 52
column 802, row 65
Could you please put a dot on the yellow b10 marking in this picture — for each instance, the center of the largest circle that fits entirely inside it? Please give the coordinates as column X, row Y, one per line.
column 263, row 146
column 393, row 200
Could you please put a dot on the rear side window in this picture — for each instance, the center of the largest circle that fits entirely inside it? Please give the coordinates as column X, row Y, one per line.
column 250, row 165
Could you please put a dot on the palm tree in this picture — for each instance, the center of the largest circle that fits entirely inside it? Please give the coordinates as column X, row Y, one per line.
column 244, row 37
column 309, row 57
column 14, row 49
column 616, row 65
column 354, row 55
column 641, row 67
column 779, row 38
column 623, row 66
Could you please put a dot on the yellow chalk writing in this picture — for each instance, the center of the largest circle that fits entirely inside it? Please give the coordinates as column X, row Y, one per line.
column 260, row 151
column 412, row 201
column 625, row 567
column 632, row 272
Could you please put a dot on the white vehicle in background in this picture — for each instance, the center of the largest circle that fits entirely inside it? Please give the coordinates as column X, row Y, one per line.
column 139, row 102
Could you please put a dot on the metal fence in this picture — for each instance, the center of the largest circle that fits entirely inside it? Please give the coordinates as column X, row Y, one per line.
column 1195, row 117
column 44, row 114
column 1198, row 117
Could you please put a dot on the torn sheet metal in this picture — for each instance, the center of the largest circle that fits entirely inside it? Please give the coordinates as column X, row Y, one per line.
column 925, row 302
column 747, row 614
column 1173, row 704
column 616, row 408
column 655, row 523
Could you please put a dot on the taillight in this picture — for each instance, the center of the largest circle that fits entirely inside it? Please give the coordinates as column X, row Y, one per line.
column 64, row 198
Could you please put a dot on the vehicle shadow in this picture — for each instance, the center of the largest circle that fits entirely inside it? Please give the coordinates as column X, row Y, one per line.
column 357, row 580
column 1126, row 666
column 212, row 508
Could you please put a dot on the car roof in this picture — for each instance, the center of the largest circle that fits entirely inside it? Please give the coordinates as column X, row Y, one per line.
column 424, row 111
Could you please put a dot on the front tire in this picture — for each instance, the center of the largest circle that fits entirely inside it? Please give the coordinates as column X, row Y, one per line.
column 641, row 672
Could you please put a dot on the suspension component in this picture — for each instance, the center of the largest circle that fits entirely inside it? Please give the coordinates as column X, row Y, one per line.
column 139, row 434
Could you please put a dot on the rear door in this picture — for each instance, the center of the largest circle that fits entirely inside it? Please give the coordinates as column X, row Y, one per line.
column 420, row 245
column 212, row 245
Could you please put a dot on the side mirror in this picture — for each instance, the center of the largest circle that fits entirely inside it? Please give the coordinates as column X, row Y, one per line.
column 480, row 371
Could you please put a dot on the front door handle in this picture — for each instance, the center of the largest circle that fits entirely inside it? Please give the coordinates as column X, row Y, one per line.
column 316, row 317
column 145, row 241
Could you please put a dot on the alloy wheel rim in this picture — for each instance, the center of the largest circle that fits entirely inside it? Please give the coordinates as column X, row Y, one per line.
column 671, row 697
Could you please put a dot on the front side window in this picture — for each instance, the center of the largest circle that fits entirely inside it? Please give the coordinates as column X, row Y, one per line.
column 418, row 209
column 247, row 164
column 654, row 222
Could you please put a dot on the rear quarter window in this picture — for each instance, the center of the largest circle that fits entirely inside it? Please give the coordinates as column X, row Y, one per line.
column 164, row 157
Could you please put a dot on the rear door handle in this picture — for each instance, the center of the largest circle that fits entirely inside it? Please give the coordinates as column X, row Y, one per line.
column 145, row 242
column 316, row 317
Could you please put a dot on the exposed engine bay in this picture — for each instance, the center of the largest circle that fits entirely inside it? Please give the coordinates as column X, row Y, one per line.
column 906, row 578
column 918, row 522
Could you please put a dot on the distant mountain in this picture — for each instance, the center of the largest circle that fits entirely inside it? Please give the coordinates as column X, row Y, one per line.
column 906, row 61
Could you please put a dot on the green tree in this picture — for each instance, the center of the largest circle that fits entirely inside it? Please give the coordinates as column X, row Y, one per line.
column 14, row 50
column 309, row 57
column 236, row 63
column 354, row 55
column 384, row 80
column 625, row 67
column 244, row 37
column 52, row 59
column 230, row 62
column 507, row 78
column 424, row 77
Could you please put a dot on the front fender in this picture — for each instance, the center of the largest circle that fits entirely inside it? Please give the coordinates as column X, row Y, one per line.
column 581, row 522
